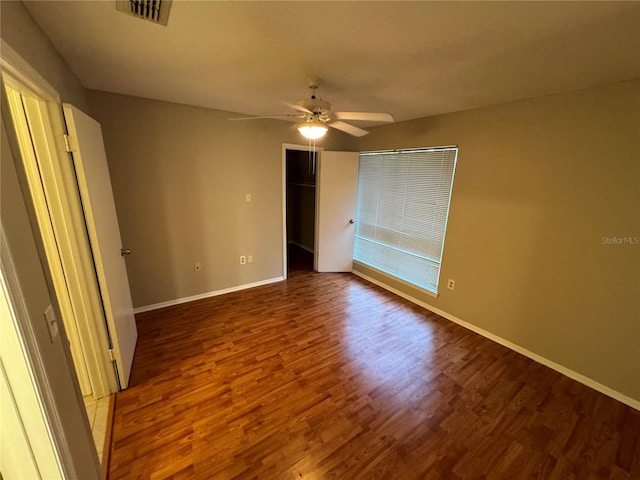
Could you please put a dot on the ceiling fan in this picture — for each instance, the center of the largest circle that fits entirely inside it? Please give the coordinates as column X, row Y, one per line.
column 315, row 116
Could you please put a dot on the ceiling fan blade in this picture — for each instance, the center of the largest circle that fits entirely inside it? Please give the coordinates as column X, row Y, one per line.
column 367, row 116
column 348, row 128
column 289, row 115
column 299, row 108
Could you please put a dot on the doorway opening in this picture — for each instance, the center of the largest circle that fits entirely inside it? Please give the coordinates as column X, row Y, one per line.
column 66, row 253
column 301, row 166
column 318, row 202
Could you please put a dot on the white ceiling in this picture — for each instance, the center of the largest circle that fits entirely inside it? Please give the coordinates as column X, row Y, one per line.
column 412, row 59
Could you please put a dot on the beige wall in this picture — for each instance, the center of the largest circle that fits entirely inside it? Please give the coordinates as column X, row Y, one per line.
column 20, row 31
column 538, row 184
column 180, row 175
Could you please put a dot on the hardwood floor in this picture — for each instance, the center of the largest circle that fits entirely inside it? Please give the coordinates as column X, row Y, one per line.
column 326, row 376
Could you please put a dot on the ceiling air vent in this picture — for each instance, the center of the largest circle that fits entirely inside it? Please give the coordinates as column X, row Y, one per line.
column 156, row 11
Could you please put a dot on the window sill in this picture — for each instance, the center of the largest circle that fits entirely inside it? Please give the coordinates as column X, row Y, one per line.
column 362, row 269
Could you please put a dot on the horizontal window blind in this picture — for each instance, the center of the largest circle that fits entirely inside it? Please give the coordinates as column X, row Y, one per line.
column 401, row 212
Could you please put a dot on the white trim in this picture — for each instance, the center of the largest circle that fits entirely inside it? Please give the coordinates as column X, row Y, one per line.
column 409, row 150
column 633, row 403
column 35, row 360
column 200, row 296
column 25, row 134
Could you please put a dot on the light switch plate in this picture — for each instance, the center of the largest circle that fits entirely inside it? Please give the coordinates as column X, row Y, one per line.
column 52, row 322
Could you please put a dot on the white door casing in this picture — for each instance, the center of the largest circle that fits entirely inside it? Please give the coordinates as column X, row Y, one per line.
column 285, row 147
column 94, row 183
column 47, row 353
column 26, row 446
column 27, row 137
column 336, row 185
column 63, row 232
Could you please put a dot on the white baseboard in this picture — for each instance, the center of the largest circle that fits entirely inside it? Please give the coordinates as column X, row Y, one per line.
column 633, row 403
column 200, row 296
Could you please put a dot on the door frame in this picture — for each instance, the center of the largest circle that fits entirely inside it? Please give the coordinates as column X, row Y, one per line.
column 62, row 208
column 27, row 401
column 60, row 395
column 43, row 214
column 302, row 148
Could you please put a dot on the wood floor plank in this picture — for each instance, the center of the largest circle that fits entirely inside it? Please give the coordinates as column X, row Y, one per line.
column 325, row 376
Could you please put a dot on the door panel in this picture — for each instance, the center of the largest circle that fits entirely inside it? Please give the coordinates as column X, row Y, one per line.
column 336, row 207
column 90, row 160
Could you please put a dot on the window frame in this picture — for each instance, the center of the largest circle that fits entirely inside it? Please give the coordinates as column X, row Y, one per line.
column 441, row 192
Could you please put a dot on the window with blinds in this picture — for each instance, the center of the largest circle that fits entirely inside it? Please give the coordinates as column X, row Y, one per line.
column 401, row 212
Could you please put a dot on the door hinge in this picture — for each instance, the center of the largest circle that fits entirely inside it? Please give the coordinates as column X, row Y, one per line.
column 112, row 354
column 67, row 143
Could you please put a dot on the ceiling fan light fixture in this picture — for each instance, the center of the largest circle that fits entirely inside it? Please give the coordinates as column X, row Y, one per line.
column 312, row 129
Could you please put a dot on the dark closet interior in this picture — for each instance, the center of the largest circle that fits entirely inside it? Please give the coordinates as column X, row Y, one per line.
column 301, row 208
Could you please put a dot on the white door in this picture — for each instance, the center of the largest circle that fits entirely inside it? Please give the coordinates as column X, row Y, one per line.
column 336, row 185
column 90, row 160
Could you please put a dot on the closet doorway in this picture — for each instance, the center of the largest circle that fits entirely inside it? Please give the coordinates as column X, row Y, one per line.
column 301, row 166
column 318, row 209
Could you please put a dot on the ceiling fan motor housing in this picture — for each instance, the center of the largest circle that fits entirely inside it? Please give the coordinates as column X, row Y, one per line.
column 319, row 107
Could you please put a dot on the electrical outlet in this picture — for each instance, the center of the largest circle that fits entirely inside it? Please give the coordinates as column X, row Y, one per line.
column 247, row 197
column 451, row 284
column 197, row 266
column 249, row 258
column 243, row 260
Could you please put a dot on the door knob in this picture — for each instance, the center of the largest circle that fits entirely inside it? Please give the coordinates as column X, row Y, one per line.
column 125, row 251
column 351, row 220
